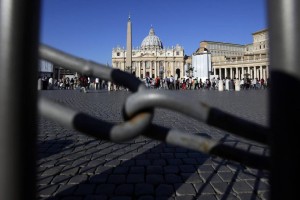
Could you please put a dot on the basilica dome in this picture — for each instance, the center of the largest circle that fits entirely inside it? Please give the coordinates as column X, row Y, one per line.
column 151, row 41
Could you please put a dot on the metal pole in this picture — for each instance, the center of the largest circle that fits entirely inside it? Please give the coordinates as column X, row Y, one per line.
column 19, row 22
column 284, row 28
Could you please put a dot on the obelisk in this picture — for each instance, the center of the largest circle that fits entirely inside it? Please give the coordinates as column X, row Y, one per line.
column 129, row 47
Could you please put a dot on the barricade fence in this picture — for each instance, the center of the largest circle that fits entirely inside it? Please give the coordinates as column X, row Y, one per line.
column 138, row 113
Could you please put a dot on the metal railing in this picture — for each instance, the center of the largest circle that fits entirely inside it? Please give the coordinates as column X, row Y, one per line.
column 19, row 51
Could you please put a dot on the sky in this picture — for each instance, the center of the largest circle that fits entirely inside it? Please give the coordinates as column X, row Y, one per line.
column 90, row 29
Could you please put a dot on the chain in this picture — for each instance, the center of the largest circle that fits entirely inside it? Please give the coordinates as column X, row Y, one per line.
column 138, row 113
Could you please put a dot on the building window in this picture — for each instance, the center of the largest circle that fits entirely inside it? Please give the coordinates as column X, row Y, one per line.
column 177, row 53
column 118, row 54
column 147, row 64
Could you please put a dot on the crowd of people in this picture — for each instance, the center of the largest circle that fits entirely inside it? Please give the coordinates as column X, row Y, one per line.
column 85, row 83
column 190, row 83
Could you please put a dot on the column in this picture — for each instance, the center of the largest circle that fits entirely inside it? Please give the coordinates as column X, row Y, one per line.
column 155, row 69
column 150, row 73
column 261, row 73
column 242, row 75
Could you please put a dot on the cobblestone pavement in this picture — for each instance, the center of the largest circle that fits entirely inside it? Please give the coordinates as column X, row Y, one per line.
column 74, row 166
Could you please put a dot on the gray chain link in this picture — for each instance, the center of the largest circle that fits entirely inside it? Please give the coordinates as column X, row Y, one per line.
column 138, row 113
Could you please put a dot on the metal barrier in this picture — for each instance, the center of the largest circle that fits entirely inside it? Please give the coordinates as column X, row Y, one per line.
column 19, row 112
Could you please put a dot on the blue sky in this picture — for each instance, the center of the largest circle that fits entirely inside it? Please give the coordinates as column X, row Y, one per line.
column 90, row 29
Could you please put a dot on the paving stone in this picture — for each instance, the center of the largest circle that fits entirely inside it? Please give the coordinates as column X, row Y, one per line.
column 79, row 163
column 187, row 169
column 69, row 171
column 144, row 189
column 210, row 177
column 121, row 170
column 116, row 179
column 87, row 170
column 112, row 163
column 208, row 197
column 185, row 189
column 137, row 170
column 60, row 179
column 205, row 168
column 227, row 176
column 121, row 198
column 128, row 163
column 153, row 156
column 180, row 155
column 171, row 169
column 96, row 197
column 154, row 179
column 221, row 187
column 265, row 195
column 167, row 155
column 241, row 187
column 48, row 190
column 95, row 163
column 164, row 198
column 126, row 156
column 135, row 178
column 154, row 170
column 146, row 197
column 248, row 196
column 85, row 189
column 259, row 186
column 104, row 170
column 52, row 171
column 124, row 189
column 99, row 178
column 105, row 189
column 189, row 161
column 78, row 179
column 44, row 180
column 204, row 188
column 228, row 196
column 191, row 177
column 49, row 164
column 174, row 161
column 185, row 197
column 143, row 162
column 72, row 198
column 164, row 190
column 159, row 162
column 173, row 178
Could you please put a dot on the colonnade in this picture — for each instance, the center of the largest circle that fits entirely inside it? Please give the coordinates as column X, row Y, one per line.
column 242, row 72
column 153, row 68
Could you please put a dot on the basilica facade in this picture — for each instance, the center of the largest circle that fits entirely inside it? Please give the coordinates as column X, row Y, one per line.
column 151, row 58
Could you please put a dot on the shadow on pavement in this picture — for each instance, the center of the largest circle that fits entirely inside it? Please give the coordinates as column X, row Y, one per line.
column 140, row 169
